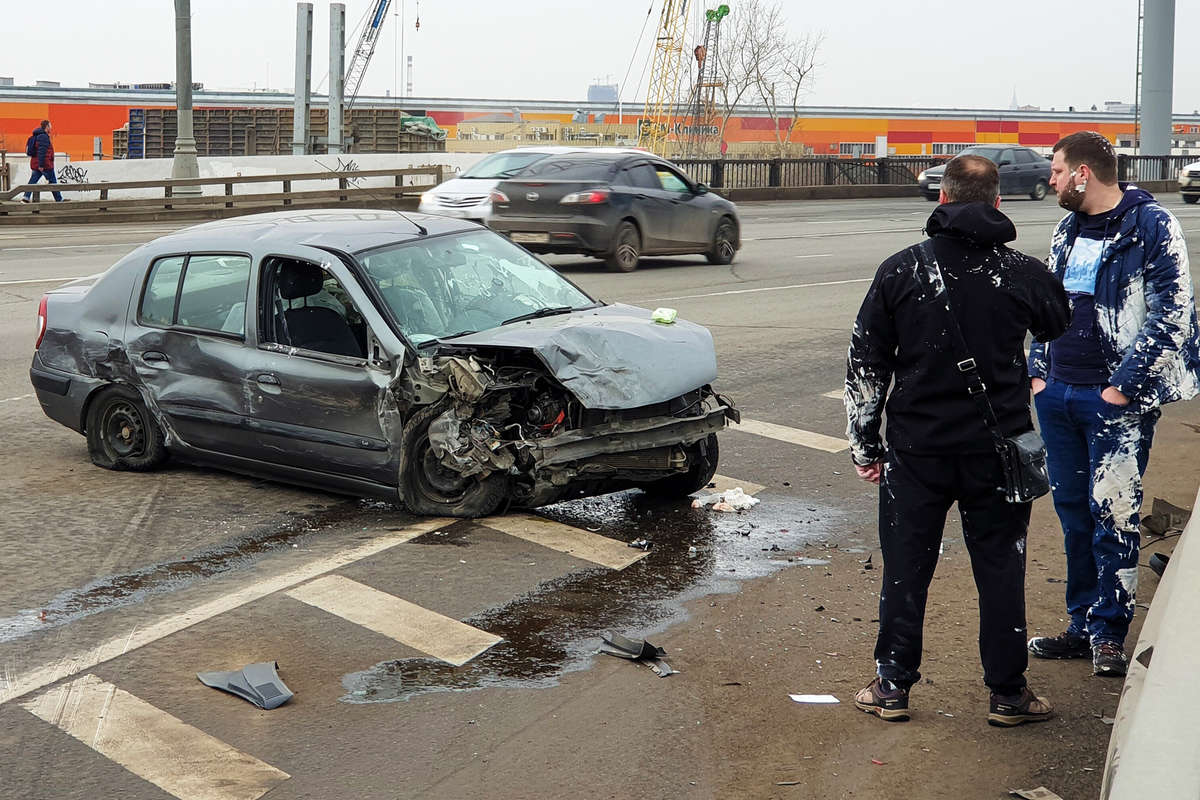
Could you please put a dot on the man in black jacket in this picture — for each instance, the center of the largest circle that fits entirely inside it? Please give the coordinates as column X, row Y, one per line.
column 939, row 450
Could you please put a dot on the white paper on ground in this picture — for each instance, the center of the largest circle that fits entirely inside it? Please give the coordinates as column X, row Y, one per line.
column 814, row 698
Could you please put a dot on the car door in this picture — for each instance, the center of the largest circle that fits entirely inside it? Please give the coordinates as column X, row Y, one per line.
column 691, row 212
column 1010, row 177
column 186, row 341
column 655, row 206
column 316, row 383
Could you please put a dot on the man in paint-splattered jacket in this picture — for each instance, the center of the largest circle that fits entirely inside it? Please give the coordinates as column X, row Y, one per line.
column 1133, row 346
column 939, row 450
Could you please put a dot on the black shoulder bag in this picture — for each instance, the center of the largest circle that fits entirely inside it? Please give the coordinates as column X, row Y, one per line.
column 1023, row 457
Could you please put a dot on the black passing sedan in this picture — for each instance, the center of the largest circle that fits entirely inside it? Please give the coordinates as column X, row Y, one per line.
column 615, row 206
column 414, row 357
column 1022, row 171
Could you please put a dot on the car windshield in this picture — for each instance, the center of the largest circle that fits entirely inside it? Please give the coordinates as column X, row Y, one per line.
column 990, row 153
column 502, row 165
column 451, row 285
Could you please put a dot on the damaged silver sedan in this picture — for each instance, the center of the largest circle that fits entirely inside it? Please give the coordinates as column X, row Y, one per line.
column 369, row 353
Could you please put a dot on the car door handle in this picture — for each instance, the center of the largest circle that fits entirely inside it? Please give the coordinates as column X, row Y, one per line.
column 267, row 379
column 155, row 358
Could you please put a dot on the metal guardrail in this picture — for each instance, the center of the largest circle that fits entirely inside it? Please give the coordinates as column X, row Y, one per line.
column 226, row 201
column 1151, row 168
column 743, row 173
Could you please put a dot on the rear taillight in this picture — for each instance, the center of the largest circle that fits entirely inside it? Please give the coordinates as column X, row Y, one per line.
column 591, row 197
column 41, row 323
column 498, row 196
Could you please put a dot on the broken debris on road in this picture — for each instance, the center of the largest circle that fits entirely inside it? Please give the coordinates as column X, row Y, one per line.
column 637, row 650
column 257, row 683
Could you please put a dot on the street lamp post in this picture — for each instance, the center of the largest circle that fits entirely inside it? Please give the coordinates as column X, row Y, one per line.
column 184, row 164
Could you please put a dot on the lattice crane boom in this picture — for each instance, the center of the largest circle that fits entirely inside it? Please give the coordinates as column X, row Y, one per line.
column 662, row 96
column 357, row 67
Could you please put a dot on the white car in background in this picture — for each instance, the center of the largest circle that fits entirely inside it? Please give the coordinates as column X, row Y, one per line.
column 468, row 196
column 1189, row 182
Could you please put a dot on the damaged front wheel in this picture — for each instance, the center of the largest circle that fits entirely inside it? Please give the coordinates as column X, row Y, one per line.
column 704, row 456
column 429, row 487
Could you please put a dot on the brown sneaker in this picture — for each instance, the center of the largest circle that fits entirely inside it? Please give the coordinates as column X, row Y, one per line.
column 1007, row 712
column 874, row 699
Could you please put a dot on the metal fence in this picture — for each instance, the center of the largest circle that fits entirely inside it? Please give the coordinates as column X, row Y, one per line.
column 814, row 171
column 1151, row 168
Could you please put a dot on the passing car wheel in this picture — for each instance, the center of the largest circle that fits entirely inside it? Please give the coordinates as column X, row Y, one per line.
column 430, row 488
column 1039, row 191
column 627, row 247
column 724, row 243
column 121, row 434
column 933, row 198
column 704, row 465
column 1190, row 199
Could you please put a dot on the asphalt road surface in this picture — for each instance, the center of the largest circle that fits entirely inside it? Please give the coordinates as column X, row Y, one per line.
column 457, row 659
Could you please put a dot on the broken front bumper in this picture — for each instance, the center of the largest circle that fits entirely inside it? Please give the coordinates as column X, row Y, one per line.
column 628, row 436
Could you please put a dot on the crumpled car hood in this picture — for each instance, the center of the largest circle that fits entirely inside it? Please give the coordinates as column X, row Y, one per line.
column 613, row 357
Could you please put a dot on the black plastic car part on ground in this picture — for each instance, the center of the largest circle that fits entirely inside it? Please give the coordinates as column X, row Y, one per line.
column 380, row 355
column 1022, row 171
column 615, row 206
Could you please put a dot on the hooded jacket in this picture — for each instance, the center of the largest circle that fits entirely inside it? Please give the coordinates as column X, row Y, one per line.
column 1144, row 306
column 43, row 158
column 901, row 334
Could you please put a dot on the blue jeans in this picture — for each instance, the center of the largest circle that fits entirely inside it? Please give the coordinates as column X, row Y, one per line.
column 1097, row 453
column 49, row 174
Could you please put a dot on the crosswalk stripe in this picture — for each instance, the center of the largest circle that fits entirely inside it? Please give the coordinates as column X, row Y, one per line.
column 157, row 747
column 73, row 664
column 444, row 638
column 724, row 483
column 817, row 441
column 567, row 539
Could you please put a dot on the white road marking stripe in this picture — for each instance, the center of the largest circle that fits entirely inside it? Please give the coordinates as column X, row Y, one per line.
column 837, row 233
column 763, row 289
column 105, row 651
column 836, row 394
column 817, row 255
column 817, row 441
column 18, row 397
column 567, row 539
column 444, row 638
column 69, row 246
column 157, row 747
column 43, row 280
column 724, row 483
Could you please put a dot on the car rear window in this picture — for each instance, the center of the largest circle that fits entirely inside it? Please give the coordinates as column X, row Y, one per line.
column 571, row 169
column 206, row 292
column 503, row 165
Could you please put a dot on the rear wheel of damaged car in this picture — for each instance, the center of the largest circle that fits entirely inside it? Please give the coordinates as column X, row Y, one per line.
column 724, row 243
column 430, row 488
column 626, row 249
column 704, row 456
column 121, row 433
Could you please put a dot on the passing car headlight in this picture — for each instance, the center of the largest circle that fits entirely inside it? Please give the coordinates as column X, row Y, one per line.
column 428, row 197
column 921, row 175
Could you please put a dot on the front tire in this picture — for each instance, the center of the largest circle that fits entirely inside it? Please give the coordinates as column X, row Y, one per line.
column 724, row 243
column 1191, row 199
column 627, row 249
column 1039, row 192
column 121, row 434
column 701, row 473
column 431, row 489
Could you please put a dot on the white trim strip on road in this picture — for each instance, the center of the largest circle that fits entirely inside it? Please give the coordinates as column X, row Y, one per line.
column 44, row 280
column 782, row 433
column 816, row 255
column 836, row 394
column 179, row 759
column 764, row 289
column 444, row 638
column 573, row 541
column 106, row 651
column 18, row 397
column 724, row 483
column 69, row 246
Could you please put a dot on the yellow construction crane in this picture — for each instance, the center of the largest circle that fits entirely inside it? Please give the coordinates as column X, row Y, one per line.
column 662, row 95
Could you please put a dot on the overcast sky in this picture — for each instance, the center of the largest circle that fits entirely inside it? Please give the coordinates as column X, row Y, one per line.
column 935, row 53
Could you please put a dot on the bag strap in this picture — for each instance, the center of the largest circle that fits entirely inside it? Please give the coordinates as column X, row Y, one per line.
column 966, row 363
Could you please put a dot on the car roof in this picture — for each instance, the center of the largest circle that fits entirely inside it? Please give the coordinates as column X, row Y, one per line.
column 344, row 229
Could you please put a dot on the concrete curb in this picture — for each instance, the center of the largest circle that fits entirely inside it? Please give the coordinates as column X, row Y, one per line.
column 1152, row 750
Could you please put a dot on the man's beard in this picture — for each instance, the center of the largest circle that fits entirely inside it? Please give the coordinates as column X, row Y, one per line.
column 1070, row 199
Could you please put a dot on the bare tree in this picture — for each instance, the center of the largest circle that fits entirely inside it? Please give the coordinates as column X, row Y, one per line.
column 762, row 61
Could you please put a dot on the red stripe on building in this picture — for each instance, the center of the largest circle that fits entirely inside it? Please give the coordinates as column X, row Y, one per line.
column 910, row 137
column 1037, row 139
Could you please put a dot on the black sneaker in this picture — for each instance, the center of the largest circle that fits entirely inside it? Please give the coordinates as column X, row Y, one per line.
column 1108, row 659
column 1065, row 645
column 874, row 699
column 1008, row 712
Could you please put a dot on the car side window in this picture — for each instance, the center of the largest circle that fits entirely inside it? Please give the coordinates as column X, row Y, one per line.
column 670, row 181
column 205, row 292
column 643, row 177
column 1026, row 157
column 305, row 307
column 1006, row 158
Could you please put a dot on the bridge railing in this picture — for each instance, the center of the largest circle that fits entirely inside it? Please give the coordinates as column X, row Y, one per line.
column 758, row 173
column 1151, row 168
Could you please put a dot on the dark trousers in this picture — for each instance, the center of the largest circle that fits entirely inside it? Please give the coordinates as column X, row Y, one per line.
column 915, row 494
column 37, row 175
column 1097, row 453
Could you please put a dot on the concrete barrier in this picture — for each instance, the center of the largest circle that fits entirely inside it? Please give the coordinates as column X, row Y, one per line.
column 1154, row 750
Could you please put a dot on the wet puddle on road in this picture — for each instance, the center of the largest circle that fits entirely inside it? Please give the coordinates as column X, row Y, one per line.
column 555, row 628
